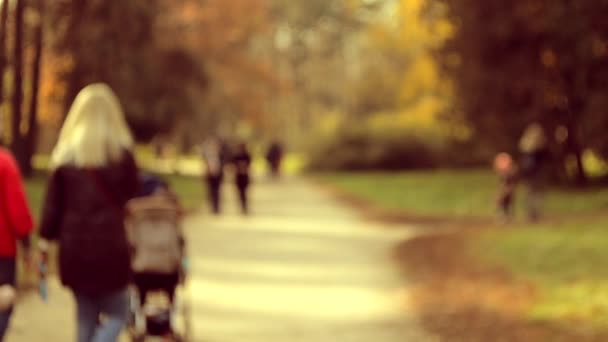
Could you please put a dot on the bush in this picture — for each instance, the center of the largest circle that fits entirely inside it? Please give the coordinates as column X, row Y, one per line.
column 358, row 148
column 466, row 154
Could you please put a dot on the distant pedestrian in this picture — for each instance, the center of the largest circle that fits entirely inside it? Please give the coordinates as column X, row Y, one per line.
column 93, row 176
column 214, row 158
column 274, row 156
column 15, row 224
column 507, row 172
column 242, row 162
column 534, row 155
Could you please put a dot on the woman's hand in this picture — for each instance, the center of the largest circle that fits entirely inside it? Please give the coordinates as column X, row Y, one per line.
column 41, row 259
column 43, row 249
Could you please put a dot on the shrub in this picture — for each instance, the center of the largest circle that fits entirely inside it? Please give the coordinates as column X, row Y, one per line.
column 359, row 148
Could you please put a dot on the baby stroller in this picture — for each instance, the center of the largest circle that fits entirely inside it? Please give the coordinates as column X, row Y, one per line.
column 159, row 265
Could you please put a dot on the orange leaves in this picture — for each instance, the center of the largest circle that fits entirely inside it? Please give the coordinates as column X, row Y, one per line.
column 220, row 33
column 215, row 27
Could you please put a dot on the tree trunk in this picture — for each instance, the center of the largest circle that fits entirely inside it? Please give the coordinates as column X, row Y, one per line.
column 574, row 142
column 74, row 84
column 75, row 80
column 32, row 133
column 575, row 149
column 581, row 175
column 3, row 62
column 17, row 143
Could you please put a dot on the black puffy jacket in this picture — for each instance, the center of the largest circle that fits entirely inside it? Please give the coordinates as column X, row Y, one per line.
column 84, row 212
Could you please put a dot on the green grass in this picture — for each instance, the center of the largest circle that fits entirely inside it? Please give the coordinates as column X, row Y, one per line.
column 35, row 189
column 191, row 190
column 566, row 261
column 449, row 192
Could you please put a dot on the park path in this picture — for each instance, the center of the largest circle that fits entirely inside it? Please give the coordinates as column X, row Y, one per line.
column 301, row 268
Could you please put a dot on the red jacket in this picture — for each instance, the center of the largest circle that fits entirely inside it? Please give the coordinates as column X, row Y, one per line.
column 15, row 218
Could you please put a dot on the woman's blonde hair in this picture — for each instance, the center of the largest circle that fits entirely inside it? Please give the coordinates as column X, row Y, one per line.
column 95, row 132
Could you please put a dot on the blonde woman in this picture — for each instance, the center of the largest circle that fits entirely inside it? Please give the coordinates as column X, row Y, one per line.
column 94, row 175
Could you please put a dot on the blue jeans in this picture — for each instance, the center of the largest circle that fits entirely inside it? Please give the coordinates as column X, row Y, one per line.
column 101, row 318
column 7, row 276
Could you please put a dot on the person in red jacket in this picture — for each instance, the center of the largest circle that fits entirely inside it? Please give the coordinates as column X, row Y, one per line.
column 15, row 224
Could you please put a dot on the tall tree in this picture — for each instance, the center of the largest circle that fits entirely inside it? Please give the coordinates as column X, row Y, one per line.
column 227, row 36
column 399, row 74
column 317, row 43
column 116, row 42
column 515, row 63
column 17, row 144
column 32, row 126
column 3, row 63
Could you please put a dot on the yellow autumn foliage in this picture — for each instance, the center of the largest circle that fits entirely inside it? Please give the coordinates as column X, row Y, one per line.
column 422, row 92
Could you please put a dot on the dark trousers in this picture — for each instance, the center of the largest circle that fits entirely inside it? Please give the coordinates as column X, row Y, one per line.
column 533, row 199
column 7, row 276
column 242, row 184
column 275, row 167
column 505, row 204
column 214, row 184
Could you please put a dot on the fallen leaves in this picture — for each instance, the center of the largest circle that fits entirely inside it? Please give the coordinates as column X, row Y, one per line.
column 461, row 300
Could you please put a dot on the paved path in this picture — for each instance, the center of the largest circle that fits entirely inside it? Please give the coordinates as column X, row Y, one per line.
column 300, row 268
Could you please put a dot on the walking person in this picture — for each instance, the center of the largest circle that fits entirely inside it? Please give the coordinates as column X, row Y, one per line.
column 242, row 163
column 93, row 176
column 534, row 154
column 274, row 156
column 15, row 224
column 214, row 158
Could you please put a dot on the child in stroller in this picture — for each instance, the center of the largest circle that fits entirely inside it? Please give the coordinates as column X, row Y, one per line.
column 157, row 241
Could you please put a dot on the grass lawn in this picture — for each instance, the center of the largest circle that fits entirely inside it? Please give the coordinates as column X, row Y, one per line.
column 449, row 192
column 566, row 261
column 35, row 189
column 191, row 190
